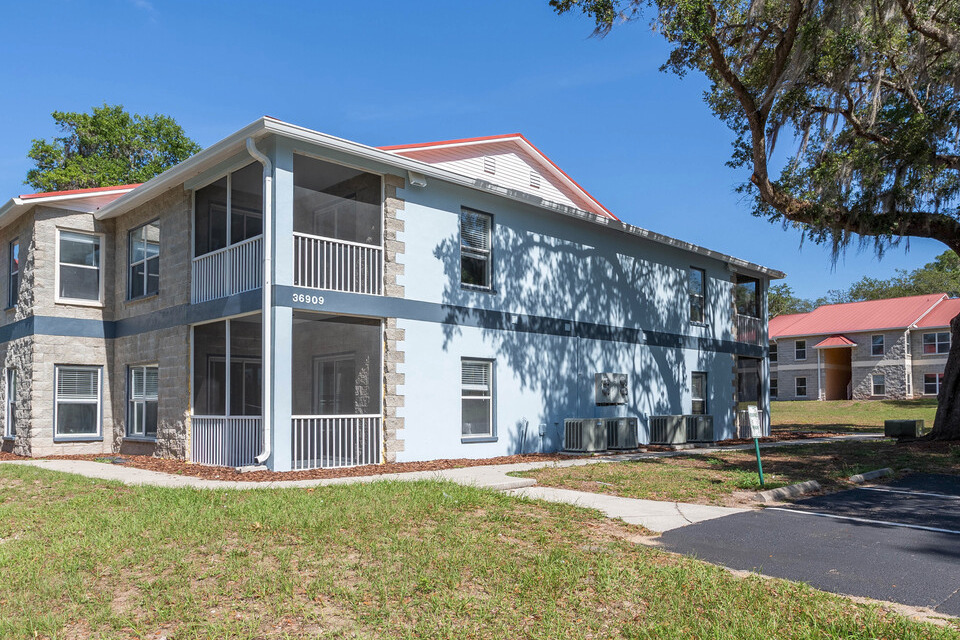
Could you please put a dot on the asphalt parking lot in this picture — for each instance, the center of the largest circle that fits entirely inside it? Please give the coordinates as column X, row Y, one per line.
column 898, row 542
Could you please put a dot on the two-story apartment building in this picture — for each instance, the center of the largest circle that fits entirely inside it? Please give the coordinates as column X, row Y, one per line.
column 302, row 301
column 895, row 348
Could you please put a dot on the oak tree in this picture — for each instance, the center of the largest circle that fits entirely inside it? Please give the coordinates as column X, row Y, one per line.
column 866, row 94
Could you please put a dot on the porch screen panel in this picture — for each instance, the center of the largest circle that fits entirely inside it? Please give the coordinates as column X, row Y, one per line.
column 334, row 201
column 246, row 203
column 246, row 370
column 337, row 367
column 209, row 369
column 211, row 217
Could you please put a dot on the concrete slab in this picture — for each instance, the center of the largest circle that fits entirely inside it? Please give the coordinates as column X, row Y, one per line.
column 654, row 515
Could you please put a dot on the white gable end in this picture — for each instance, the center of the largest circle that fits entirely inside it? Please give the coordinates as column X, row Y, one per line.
column 506, row 164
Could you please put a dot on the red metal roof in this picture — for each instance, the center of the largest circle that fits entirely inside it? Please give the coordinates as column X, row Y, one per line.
column 872, row 315
column 942, row 314
column 70, row 192
column 835, row 341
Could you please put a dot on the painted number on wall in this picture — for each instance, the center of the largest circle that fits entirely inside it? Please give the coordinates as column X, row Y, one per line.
column 306, row 298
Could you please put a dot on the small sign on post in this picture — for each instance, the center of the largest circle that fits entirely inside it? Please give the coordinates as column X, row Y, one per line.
column 756, row 432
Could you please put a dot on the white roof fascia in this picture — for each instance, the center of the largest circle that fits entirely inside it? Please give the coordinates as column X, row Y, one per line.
column 264, row 126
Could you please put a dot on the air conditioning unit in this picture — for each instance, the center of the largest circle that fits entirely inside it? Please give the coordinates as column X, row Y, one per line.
column 584, row 435
column 667, row 430
column 699, row 428
column 621, row 433
column 610, row 388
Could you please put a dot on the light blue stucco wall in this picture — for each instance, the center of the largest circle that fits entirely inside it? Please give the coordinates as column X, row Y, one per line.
column 549, row 265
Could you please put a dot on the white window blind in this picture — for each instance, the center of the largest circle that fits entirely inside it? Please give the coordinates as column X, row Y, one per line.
column 475, row 231
column 77, row 384
column 475, row 376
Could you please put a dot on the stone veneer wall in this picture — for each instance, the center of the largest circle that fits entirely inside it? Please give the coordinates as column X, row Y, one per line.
column 18, row 354
column 393, row 336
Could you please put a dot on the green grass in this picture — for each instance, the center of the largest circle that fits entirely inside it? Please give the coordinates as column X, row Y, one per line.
column 82, row 558
column 849, row 415
column 714, row 478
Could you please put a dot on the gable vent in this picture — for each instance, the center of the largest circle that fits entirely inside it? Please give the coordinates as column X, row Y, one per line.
column 489, row 164
column 534, row 179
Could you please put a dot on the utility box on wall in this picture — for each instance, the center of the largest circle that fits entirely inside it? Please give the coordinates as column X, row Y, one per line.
column 611, row 388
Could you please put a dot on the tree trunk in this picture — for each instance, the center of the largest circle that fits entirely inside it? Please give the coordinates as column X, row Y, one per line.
column 946, row 426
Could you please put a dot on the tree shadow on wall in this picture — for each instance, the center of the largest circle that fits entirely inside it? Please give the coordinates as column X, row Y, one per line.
column 568, row 307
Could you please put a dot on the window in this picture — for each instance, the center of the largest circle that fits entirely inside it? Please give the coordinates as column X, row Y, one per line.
column 78, row 270
column 747, row 296
column 14, row 293
column 936, row 342
column 909, row 386
column 698, row 391
column 695, row 290
column 906, row 342
column 800, row 350
column 773, row 387
column 876, row 345
column 801, row 384
column 77, row 410
column 144, row 257
column 476, row 377
column 475, row 243
column 773, row 352
column 931, row 383
column 879, row 388
column 10, row 423
column 142, row 409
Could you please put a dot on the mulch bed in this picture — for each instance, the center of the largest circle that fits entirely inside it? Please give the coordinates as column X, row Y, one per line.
column 180, row 467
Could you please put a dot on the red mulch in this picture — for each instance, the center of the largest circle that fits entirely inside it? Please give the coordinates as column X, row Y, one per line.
column 180, row 467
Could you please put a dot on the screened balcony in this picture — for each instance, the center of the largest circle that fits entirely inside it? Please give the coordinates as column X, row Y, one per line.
column 337, row 227
column 228, row 236
column 748, row 325
column 337, row 384
column 226, row 428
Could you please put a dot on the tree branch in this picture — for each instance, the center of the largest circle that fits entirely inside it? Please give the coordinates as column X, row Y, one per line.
column 949, row 39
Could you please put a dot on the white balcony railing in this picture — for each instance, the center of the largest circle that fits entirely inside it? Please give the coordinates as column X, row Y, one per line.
column 749, row 329
column 325, row 442
column 225, row 441
column 337, row 265
column 228, row 271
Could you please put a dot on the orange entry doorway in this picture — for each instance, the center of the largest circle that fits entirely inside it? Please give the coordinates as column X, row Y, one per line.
column 836, row 372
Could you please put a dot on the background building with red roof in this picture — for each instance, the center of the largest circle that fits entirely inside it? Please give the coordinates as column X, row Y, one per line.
column 894, row 348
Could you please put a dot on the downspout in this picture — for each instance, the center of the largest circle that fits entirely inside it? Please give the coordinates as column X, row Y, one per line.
column 267, row 289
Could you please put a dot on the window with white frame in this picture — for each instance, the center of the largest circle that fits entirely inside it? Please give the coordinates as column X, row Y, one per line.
column 78, row 269
column 773, row 352
column 14, row 294
column 909, row 385
column 476, row 241
column 142, row 404
column 695, row 290
column 931, row 383
column 801, row 387
column 800, row 350
column 773, row 387
column 77, row 407
column 698, row 391
column 10, row 422
column 144, row 258
column 879, row 385
column 936, row 342
column 876, row 345
column 476, row 398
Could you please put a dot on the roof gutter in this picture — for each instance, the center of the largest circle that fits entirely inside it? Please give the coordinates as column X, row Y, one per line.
column 267, row 289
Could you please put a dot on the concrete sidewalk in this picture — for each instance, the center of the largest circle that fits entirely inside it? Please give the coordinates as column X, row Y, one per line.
column 656, row 516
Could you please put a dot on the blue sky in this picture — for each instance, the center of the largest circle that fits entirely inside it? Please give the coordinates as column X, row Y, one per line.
column 381, row 72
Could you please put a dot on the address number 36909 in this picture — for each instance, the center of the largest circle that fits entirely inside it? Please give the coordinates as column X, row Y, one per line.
column 306, row 298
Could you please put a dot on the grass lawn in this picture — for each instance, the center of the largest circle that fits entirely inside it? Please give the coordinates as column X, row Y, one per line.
column 726, row 477
column 82, row 558
column 849, row 415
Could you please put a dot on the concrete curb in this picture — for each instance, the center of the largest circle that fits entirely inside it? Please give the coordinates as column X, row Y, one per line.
column 790, row 491
column 860, row 478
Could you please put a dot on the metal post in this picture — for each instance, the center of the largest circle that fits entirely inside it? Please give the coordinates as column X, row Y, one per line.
column 756, row 444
